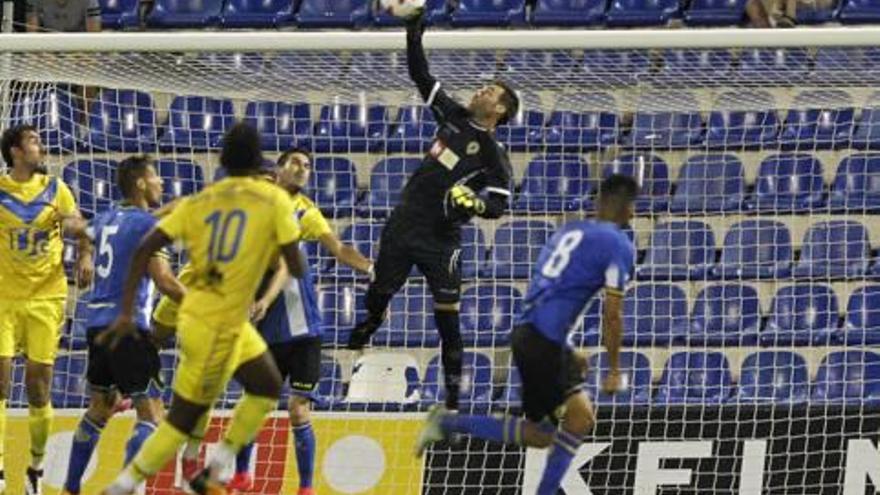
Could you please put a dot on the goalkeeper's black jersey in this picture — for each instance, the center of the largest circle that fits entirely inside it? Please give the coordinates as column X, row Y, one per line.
column 462, row 153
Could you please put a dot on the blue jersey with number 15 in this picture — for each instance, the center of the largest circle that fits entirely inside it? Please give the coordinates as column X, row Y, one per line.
column 117, row 234
column 576, row 263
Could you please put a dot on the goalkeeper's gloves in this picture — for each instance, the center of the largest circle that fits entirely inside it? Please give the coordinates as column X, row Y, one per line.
column 464, row 198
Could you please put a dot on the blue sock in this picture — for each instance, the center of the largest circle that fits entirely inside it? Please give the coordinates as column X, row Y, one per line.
column 84, row 440
column 243, row 458
column 505, row 429
column 142, row 430
column 304, row 441
column 565, row 446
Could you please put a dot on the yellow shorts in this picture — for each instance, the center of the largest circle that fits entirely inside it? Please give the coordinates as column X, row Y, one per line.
column 31, row 327
column 165, row 313
column 209, row 356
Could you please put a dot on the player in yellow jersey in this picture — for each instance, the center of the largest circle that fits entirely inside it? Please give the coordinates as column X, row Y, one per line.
column 232, row 230
column 35, row 211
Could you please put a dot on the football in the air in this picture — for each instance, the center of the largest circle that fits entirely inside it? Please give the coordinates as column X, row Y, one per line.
column 402, row 8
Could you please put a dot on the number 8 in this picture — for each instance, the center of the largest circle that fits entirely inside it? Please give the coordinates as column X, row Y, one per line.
column 557, row 262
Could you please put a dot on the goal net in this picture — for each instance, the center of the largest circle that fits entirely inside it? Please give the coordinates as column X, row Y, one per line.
column 751, row 361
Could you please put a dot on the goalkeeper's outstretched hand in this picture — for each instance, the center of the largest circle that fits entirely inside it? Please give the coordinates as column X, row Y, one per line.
column 464, row 198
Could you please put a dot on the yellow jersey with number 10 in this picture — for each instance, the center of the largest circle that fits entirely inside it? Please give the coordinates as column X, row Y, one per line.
column 232, row 231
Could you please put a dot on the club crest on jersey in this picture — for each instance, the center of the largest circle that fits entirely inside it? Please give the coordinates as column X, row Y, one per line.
column 473, row 148
column 444, row 155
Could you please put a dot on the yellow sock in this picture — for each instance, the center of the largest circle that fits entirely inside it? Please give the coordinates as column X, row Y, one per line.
column 159, row 448
column 2, row 432
column 247, row 419
column 39, row 424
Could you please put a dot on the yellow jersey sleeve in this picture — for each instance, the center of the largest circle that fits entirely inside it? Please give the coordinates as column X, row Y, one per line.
column 313, row 224
column 174, row 224
column 66, row 201
column 287, row 229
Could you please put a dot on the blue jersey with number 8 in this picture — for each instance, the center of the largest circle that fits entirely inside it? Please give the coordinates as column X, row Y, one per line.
column 577, row 262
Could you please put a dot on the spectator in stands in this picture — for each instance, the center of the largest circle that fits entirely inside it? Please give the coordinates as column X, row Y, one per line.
column 64, row 16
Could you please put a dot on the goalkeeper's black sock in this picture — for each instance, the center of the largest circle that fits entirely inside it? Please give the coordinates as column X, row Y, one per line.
column 376, row 304
column 451, row 354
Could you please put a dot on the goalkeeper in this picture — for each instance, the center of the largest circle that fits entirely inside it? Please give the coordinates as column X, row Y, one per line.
column 425, row 228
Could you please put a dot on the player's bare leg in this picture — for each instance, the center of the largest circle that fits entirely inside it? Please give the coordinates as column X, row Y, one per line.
column 38, row 380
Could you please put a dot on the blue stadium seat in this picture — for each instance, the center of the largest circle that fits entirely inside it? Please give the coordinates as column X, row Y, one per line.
column 333, row 185
column 519, row 66
column 349, row 128
column 862, row 323
column 330, row 386
column 487, row 312
column 709, row 184
column 362, row 236
column 679, row 250
column 850, row 377
column 715, row 12
column 18, row 392
column 575, row 13
column 725, row 315
column 838, row 249
column 470, row 13
column 473, row 250
column 511, row 397
column 75, row 336
column 412, row 131
column 69, row 387
column 122, row 120
column 554, row 184
column 387, row 180
column 168, row 362
column 93, row 184
column 776, row 377
column 516, row 247
column 525, row 131
column 856, row 187
column 179, row 178
column 612, row 68
column 651, row 172
column 476, row 383
column 468, row 68
column 838, row 63
column 666, row 120
column 281, row 125
column 859, row 12
column 801, row 315
column 256, row 14
column 773, row 65
column 333, row 13
column 812, row 13
column 654, row 315
column 377, row 70
column 119, row 14
column 184, row 13
column 635, row 378
column 196, row 123
column 695, row 378
column 54, row 113
column 822, row 119
column 788, row 183
column 339, row 304
column 696, row 66
column 640, row 12
column 756, row 249
column 867, row 126
column 411, row 322
column 436, row 12
column 742, row 120
column 582, row 122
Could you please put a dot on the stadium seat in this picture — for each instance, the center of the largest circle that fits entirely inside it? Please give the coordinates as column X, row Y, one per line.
column 862, row 323
column 119, row 14
column 573, row 13
column 387, row 180
column 69, row 386
column 53, row 111
column 679, row 250
column 471, row 13
column 510, row 399
column 814, row 13
column 859, row 12
column 487, row 312
column 17, row 388
column 362, row 236
column 611, row 68
column 333, row 13
column 473, row 250
column 384, row 381
column 776, row 377
column 709, row 184
column 196, row 123
column 837, row 249
column 516, row 247
column 696, row 66
column 715, row 12
column 168, row 362
column 330, row 385
column 628, row 13
column 666, row 120
column 554, row 184
column 788, row 183
column 93, row 184
column 801, row 315
column 436, row 12
column 75, row 336
column 851, row 377
column 695, row 378
column 654, row 315
column 525, row 131
column 635, row 379
column 476, row 383
column 520, row 66
column 582, row 122
column 257, row 14
column 742, row 120
column 856, row 187
column 773, row 65
column 412, row 131
column 281, row 125
column 179, row 178
column 838, row 63
column 756, row 249
column 650, row 171
column 411, row 322
column 725, row 315
column 338, row 304
column 350, row 128
column 122, row 120
column 333, row 185
column 867, row 125
column 821, row 119
column 178, row 14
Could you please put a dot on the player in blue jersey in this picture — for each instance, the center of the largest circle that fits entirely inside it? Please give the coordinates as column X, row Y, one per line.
column 132, row 367
column 579, row 260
